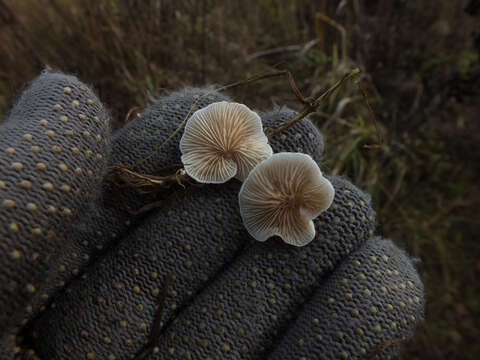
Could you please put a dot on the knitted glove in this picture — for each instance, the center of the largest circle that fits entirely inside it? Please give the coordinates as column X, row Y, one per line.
column 82, row 279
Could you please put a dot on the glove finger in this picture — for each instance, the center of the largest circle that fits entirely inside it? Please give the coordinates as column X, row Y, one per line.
column 370, row 305
column 110, row 311
column 102, row 225
column 303, row 136
column 53, row 150
column 136, row 141
column 240, row 314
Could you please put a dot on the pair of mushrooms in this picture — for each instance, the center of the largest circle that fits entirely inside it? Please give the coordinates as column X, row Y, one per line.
column 281, row 193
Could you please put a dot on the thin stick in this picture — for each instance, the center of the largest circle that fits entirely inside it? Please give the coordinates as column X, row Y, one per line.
column 130, row 178
column 157, row 323
column 311, row 107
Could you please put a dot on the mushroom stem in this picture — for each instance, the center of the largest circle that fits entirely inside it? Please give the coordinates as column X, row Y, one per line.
column 123, row 177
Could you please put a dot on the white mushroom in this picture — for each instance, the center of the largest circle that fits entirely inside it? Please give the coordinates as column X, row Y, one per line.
column 282, row 195
column 221, row 141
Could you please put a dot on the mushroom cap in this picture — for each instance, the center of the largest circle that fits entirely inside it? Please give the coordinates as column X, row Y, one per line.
column 221, row 141
column 282, row 195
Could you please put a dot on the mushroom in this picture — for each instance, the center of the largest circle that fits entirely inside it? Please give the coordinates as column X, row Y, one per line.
column 221, row 141
column 282, row 195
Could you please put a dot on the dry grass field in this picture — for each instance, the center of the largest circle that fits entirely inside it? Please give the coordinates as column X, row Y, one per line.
column 420, row 66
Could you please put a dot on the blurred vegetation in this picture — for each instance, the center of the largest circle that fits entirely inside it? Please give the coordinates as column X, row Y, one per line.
column 420, row 65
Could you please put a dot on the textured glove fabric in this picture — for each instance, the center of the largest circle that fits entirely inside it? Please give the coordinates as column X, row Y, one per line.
column 54, row 149
column 193, row 237
column 231, row 297
column 197, row 241
column 369, row 306
column 53, row 152
column 242, row 312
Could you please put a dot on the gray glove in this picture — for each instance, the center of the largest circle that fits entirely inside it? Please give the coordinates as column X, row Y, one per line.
column 81, row 278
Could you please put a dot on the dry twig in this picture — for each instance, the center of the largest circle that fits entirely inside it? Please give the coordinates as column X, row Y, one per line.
column 157, row 322
column 312, row 105
column 127, row 178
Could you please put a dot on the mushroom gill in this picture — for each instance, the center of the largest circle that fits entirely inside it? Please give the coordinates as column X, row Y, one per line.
column 221, row 141
column 282, row 195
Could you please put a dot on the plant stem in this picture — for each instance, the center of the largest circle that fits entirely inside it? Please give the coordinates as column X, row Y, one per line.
column 311, row 106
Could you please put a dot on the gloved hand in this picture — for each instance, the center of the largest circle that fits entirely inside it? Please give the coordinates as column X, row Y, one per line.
column 81, row 278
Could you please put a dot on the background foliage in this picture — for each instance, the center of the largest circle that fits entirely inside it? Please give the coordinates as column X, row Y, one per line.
column 420, row 64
